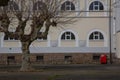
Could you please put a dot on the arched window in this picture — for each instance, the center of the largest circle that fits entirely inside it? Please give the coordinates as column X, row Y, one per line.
column 12, row 6
column 96, row 6
column 15, row 37
column 96, row 36
column 67, row 6
column 39, row 5
column 68, row 36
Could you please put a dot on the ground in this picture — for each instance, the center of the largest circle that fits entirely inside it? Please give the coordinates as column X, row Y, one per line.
column 63, row 72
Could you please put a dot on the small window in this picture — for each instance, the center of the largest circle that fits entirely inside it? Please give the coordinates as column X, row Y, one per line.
column 68, row 36
column 96, row 36
column 15, row 37
column 96, row 57
column 68, row 6
column 68, row 57
column 96, row 6
column 11, row 58
column 39, row 5
column 39, row 58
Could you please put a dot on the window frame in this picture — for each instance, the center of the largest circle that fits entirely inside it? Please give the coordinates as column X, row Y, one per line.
column 68, row 36
column 37, row 5
column 8, row 38
column 93, row 5
column 96, row 35
column 39, row 58
column 68, row 7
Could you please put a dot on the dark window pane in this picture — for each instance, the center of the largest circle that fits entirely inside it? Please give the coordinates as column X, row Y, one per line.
column 96, row 37
column 67, row 57
column 39, row 38
column 11, row 57
column 72, row 36
column 96, row 57
column 63, row 7
column 16, row 38
column 68, row 6
column 68, row 33
column 101, row 36
column 6, row 37
column 91, row 7
column 11, row 38
column 63, row 37
column 101, row 7
column 72, row 7
column 96, row 5
column 39, row 5
column 96, row 8
column 68, row 37
column 45, row 38
column 96, row 2
column 39, row 58
column 67, row 3
column 91, row 36
column 95, row 32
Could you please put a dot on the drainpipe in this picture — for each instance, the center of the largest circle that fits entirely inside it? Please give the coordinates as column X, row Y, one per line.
column 110, row 32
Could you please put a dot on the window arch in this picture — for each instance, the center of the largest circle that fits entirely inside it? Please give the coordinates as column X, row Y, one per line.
column 72, row 38
column 96, row 35
column 39, row 5
column 15, row 37
column 96, row 6
column 103, row 39
column 68, row 36
column 67, row 6
column 12, row 6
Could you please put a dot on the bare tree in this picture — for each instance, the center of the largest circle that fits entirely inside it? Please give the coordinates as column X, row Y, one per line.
column 44, row 13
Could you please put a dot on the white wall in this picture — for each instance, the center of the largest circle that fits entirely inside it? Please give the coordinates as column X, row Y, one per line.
column 118, row 44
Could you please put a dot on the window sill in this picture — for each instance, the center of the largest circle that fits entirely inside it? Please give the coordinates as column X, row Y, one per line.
column 11, row 40
column 96, row 40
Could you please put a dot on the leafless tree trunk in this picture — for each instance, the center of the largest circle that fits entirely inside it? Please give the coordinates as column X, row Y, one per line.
column 25, row 57
column 45, row 16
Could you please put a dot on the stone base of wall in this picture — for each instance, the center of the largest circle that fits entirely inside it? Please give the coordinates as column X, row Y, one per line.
column 56, row 58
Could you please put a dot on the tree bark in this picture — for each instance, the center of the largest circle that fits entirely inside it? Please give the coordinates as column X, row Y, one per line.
column 26, row 57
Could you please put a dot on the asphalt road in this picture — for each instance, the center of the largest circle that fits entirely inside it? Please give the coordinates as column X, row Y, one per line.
column 62, row 72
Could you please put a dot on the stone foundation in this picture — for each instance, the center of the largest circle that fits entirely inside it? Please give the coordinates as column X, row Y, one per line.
column 55, row 58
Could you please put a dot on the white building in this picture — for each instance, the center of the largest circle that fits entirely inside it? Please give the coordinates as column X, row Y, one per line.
column 80, row 42
column 117, row 26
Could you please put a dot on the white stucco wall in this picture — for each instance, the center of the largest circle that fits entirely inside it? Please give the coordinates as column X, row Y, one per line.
column 82, row 27
column 118, row 44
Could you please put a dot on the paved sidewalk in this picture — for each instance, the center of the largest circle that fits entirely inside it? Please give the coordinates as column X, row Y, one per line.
column 15, row 68
column 63, row 72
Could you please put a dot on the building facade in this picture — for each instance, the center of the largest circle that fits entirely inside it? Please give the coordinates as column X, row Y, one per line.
column 82, row 41
column 117, row 26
